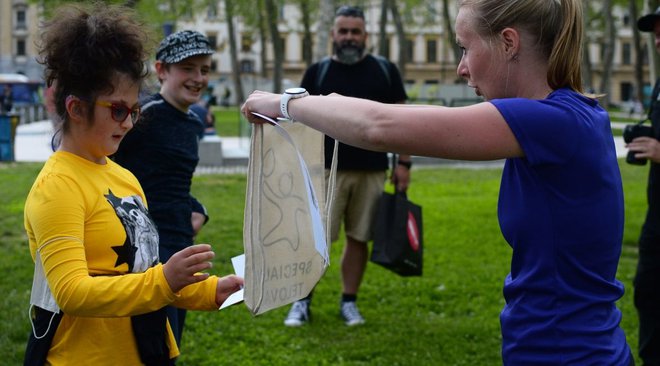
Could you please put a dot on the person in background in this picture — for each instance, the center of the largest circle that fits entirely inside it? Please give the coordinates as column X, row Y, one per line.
column 226, row 95
column 203, row 111
column 162, row 151
column 647, row 286
column 361, row 173
column 561, row 197
column 99, row 290
column 6, row 99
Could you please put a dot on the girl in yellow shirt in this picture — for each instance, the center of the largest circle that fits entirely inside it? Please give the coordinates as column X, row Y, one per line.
column 99, row 293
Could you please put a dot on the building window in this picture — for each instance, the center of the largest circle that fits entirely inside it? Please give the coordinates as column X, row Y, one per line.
column 410, row 49
column 430, row 14
column 20, row 47
column 213, row 40
column 247, row 66
column 626, row 57
column 626, row 91
column 21, row 19
column 212, row 10
column 246, row 42
column 431, row 51
column 626, row 20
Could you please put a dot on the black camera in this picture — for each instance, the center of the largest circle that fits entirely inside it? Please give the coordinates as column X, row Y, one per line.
column 631, row 132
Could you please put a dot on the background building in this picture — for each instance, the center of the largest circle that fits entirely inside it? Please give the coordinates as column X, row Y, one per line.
column 430, row 71
column 19, row 22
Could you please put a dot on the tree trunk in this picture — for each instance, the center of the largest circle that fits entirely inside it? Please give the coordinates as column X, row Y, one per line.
column 654, row 60
column 233, row 51
column 382, row 29
column 263, row 38
column 307, row 35
column 608, row 52
column 278, row 49
column 637, row 51
column 326, row 20
column 401, row 35
column 449, row 29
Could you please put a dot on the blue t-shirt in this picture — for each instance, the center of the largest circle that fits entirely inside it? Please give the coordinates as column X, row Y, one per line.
column 561, row 210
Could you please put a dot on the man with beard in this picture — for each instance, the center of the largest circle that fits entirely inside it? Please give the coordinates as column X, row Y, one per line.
column 360, row 173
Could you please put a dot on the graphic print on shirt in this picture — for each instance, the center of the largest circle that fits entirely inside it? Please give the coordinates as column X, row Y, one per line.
column 140, row 250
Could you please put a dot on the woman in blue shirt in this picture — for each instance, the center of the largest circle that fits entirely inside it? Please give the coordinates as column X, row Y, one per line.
column 561, row 199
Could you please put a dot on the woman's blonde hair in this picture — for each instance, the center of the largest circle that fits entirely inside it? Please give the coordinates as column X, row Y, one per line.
column 556, row 25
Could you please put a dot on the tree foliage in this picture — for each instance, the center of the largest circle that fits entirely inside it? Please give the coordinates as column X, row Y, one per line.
column 260, row 22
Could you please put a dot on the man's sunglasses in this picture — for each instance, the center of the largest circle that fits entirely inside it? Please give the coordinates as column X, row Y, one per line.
column 119, row 111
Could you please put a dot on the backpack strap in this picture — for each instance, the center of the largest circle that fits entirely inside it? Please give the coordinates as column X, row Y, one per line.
column 384, row 65
column 324, row 64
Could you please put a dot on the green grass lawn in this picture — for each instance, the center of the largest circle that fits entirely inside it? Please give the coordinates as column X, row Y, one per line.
column 449, row 316
column 229, row 122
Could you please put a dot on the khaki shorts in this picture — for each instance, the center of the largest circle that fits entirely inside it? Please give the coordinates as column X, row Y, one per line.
column 355, row 202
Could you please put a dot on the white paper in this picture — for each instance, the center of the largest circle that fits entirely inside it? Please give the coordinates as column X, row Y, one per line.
column 239, row 268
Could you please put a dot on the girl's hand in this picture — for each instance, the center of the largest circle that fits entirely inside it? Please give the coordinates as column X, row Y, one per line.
column 184, row 267
column 227, row 285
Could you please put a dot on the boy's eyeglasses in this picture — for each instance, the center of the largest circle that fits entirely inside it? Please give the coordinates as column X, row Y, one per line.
column 119, row 111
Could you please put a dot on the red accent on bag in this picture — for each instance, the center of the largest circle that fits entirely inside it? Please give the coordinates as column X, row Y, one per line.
column 413, row 232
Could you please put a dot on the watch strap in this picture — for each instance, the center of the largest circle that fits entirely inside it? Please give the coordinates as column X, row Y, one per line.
column 284, row 105
column 286, row 97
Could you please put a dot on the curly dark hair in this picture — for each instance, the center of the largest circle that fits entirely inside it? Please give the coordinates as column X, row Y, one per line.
column 83, row 47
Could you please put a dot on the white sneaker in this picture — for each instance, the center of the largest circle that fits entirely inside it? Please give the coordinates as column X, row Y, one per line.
column 299, row 314
column 351, row 314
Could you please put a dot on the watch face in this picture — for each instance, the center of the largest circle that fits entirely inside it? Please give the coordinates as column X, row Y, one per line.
column 295, row 91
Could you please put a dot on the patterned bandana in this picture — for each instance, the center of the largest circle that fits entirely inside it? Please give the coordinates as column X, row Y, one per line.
column 181, row 45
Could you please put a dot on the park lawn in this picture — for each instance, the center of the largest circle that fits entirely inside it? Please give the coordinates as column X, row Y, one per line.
column 449, row 316
column 229, row 122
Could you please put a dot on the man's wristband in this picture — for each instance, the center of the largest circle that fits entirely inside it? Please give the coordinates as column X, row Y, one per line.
column 407, row 164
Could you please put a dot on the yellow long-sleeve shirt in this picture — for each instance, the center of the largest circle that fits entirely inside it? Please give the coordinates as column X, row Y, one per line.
column 98, row 247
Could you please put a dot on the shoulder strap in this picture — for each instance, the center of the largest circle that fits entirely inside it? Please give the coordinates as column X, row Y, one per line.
column 384, row 65
column 324, row 64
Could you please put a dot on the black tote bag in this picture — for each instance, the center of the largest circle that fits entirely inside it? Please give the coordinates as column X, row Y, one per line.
column 398, row 243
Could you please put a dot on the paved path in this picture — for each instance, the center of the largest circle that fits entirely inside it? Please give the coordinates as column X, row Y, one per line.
column 33, row 144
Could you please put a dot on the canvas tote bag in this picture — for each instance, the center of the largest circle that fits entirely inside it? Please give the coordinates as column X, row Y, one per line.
column 286, row 214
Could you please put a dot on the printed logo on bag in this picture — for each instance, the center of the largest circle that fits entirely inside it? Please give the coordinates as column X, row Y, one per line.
column 413, row 232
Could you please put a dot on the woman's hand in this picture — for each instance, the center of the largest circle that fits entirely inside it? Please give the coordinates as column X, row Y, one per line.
column 184, row 267
column 262, row 102
column 227, row 285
